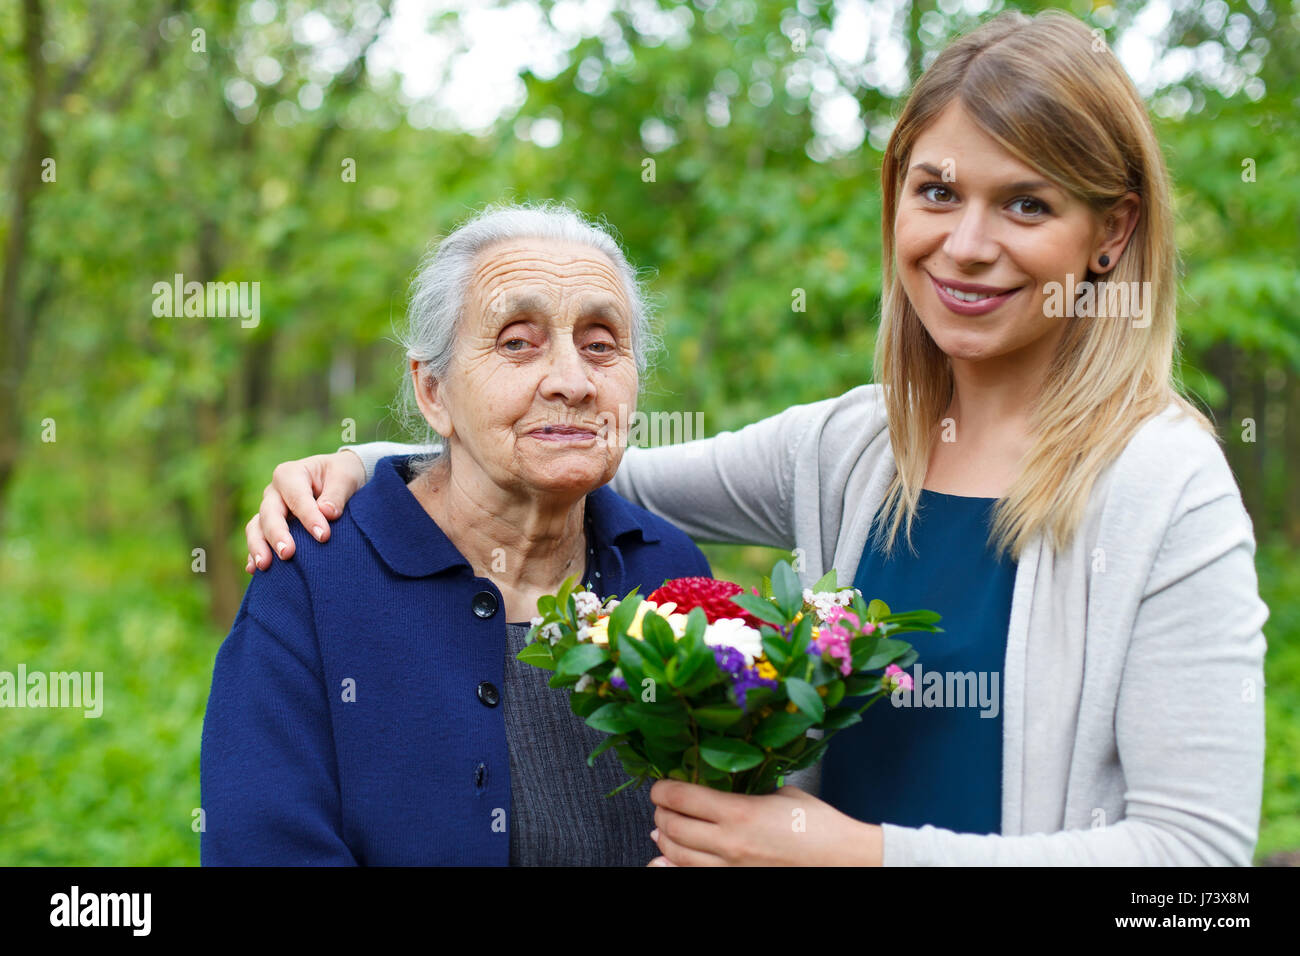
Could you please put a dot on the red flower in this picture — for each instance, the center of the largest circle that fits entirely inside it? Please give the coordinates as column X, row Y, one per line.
column 708, row 594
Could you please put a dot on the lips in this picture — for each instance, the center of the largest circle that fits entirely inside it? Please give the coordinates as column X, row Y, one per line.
column 562, row 433
column 970, row 298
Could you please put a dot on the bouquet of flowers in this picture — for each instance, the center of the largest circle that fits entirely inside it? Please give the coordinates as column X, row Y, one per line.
column 705, row 682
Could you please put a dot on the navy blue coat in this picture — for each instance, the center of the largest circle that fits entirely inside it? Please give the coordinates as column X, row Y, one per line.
column 415, row 769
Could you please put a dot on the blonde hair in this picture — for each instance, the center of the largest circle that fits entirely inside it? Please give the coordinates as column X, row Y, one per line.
column 1059, row 101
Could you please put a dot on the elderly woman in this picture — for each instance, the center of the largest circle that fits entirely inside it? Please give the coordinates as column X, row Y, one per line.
column 367, row 707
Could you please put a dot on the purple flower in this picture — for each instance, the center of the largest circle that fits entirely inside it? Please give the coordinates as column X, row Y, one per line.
column 616, row 680
column 730, row 661
column 748, row 680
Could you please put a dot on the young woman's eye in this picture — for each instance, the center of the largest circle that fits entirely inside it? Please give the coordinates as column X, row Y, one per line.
column 926, row 192
column 1040, row 207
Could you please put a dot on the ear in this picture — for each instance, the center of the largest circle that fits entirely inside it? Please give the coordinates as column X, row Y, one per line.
column 430, row 399
column 1117, row 227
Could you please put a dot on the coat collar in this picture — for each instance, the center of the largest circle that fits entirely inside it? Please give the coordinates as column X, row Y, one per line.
column 411, row 543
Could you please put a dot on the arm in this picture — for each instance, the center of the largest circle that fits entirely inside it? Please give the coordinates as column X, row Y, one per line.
column 1189, row 720
column 269, row 776
column 1189, row 732
column 736, row 487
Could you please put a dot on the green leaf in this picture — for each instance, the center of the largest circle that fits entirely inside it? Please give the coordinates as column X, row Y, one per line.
column 611, row 719
column 786, row 589
column 834, row 693
column 584, row 705
column 762, row 609
column 623, row 615
column 805, row 697
column 538, row 654
column 886, row 652
column 612, row 741
column 546, row 605
column 648, row 660
column 717, row 718
column 777, row 651
column 781, row 728
column 877, row 609
column 827, row 582
column 801, row 637
column 842, row 717
column 634, row 782
column 664, row 720
column 581, row 659
column 729, row 753
column 658, row 633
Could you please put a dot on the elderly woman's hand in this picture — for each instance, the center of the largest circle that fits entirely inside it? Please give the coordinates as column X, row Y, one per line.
column 315, row 490
column 698, row 826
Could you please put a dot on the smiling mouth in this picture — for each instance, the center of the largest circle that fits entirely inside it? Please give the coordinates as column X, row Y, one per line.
column 972, row 300
column 964, row 296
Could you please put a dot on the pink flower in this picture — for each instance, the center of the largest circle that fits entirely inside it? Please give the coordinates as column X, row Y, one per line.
column 897, row 677
column 836, row 614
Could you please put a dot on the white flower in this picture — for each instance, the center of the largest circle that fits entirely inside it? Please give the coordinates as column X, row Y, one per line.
column 535, row 622
column 586, row 603
column 585, row 682
column 551, row 632
column 823, row 601
column 734, row 632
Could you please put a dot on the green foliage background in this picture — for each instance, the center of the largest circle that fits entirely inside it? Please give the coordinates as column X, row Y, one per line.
column 168, row 428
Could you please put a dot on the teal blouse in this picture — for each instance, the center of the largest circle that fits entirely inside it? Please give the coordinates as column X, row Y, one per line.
column 934, row 755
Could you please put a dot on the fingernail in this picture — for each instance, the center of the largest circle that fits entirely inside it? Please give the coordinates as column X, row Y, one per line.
column 319, row 532
column 330, row 505
column 654, row 834
column 279, row 548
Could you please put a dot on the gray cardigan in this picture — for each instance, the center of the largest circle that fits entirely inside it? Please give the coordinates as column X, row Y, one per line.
column 1133, row 722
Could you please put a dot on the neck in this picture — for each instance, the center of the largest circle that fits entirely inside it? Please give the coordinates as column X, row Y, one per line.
column 520, row 542
column 994, row 397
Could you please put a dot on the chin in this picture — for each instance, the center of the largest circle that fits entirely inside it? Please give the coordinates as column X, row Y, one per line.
column 571, row 481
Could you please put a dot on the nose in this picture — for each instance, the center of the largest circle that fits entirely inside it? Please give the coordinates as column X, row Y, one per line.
column 567, row 376
column 971, row 240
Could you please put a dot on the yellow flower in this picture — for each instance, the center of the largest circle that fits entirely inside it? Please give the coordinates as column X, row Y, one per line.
column 791, row 707
column 765, row 669
column 663, row 610
column 599, row 632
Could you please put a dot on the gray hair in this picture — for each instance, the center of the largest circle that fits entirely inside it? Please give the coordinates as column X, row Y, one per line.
column 438, row 291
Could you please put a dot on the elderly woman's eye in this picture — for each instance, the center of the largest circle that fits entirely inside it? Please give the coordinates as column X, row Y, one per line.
column 515, row 345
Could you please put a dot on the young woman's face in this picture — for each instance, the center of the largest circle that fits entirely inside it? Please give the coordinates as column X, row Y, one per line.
column 979, row 235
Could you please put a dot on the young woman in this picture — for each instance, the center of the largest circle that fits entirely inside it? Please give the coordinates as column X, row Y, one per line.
column 1063, row 506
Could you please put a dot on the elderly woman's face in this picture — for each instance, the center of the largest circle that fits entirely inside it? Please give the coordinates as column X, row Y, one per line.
column 543, row 370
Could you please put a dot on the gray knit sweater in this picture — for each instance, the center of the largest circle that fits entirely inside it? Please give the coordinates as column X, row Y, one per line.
column 1133, row 729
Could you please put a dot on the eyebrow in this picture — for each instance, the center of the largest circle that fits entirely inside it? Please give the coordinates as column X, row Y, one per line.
column 600, row 308
column 1009, row 187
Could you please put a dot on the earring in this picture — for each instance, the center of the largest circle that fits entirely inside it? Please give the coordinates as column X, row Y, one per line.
column 1104, row 260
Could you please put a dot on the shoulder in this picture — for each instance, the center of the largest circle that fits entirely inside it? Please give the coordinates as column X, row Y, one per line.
column 861, row 408
column 1173, row 459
